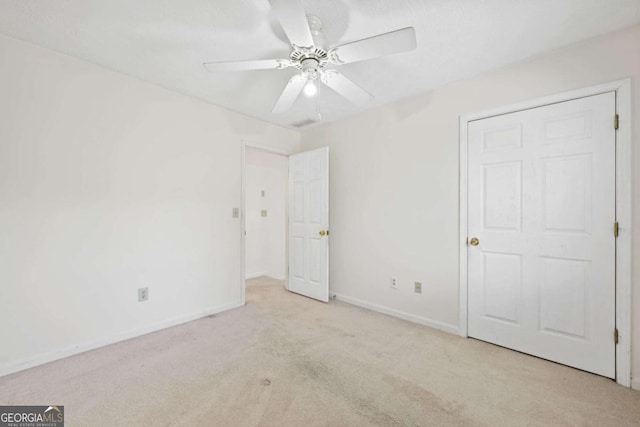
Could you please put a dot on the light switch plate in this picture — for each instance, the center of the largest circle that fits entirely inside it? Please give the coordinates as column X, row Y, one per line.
column 418, row 287
column 264, row 212
column 235, row 213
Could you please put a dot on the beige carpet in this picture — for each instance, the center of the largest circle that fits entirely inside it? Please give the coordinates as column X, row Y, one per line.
column 285, row 360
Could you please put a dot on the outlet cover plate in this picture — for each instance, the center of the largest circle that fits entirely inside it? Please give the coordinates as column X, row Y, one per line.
column 417, row 287
column 143, row 294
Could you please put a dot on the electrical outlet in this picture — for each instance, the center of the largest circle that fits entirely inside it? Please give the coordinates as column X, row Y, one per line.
column 417, row 287
column 143, row 294
column 262, row 193
column 264, row 212
column 394, row 282
column 235, row 213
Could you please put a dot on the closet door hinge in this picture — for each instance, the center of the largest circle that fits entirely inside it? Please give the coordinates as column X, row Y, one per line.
column 616, row 229
column 616, row 121
column 616, row 338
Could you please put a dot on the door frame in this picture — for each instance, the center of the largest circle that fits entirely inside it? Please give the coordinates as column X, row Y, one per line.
column 624, row 175
column 243, row 226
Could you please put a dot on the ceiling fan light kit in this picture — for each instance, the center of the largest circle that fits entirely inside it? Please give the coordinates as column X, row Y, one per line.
column 311, row 54
column 310, row 89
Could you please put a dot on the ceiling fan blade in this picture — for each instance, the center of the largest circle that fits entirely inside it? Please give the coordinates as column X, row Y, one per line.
column 373, row 47
column 261, row 64
column 290, row 93
column 294, row 21
column 345, row 87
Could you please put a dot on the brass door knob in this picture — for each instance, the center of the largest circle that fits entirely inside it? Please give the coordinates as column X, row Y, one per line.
column 474, row 241
column 322, row 232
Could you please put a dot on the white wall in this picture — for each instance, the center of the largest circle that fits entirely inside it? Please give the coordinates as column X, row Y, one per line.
column 394, row 179
column 108, row 184
column 265, row 243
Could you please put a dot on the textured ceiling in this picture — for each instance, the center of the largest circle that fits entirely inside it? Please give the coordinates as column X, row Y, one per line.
column 166, row 41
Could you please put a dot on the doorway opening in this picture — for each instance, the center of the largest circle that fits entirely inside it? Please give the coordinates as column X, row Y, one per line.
column 265, row 175
column 285, row 219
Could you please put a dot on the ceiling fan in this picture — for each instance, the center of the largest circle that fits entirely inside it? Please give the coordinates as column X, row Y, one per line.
column 311, row 53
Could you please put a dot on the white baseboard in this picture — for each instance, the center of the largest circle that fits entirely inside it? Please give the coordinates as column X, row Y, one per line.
column 635, row 384
column 445, row 327
column 20, row 365
column 254, row 275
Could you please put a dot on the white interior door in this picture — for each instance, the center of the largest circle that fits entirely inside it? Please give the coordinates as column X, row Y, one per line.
column 541, row 200
column 309, row 224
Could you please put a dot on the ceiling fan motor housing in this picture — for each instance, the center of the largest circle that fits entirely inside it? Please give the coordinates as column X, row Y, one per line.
column 312, row 58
